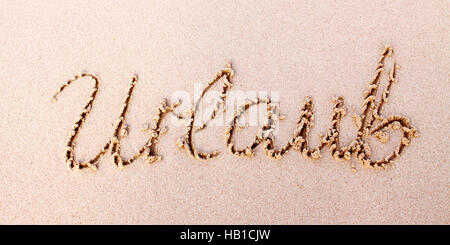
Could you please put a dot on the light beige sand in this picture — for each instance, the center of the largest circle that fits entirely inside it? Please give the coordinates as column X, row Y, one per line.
column 319, row 49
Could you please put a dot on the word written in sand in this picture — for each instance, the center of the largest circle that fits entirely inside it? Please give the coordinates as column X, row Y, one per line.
column 369, row 123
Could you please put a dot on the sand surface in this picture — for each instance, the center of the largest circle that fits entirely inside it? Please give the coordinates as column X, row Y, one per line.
column 298, row 48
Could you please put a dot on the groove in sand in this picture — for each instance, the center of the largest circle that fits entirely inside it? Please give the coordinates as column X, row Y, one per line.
column 370, row 113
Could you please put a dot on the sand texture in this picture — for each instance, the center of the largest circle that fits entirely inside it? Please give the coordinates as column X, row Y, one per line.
column 151, row 49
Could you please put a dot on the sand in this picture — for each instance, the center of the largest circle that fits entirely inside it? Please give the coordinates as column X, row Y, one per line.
column 319, row 49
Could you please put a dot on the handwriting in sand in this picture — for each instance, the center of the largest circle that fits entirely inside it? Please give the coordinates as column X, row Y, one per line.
column 370, row 122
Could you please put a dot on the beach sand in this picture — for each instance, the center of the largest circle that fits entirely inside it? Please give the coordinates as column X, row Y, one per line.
column 316, row 48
